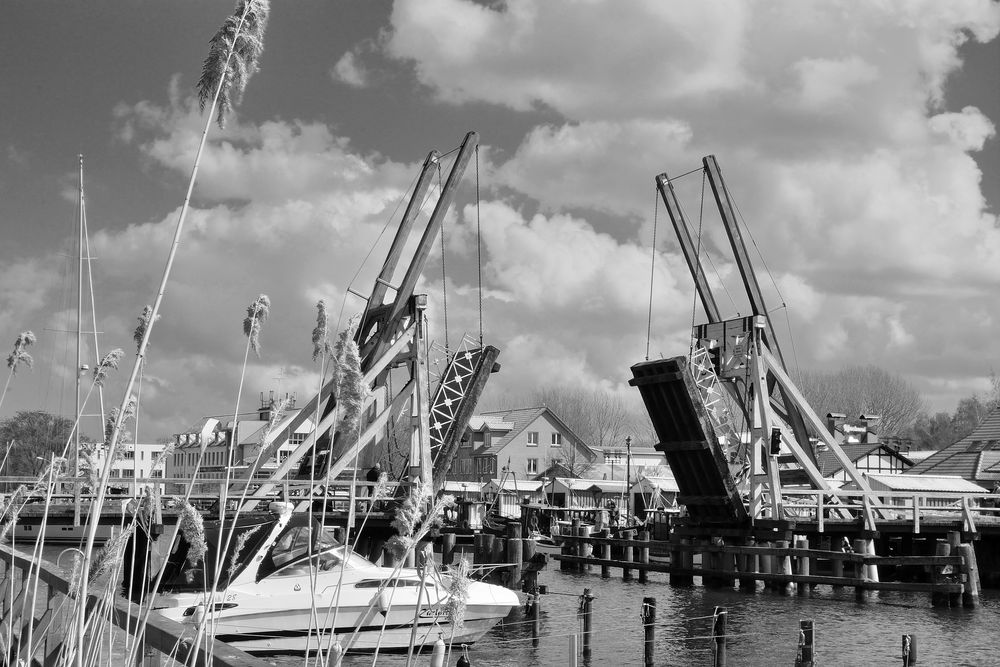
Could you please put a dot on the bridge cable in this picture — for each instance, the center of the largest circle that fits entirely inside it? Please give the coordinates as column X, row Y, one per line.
column 652, row 269
column 444, row 277
column 697, row 262
column 479, row 251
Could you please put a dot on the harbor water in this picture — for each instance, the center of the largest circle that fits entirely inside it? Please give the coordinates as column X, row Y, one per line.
column 763, row 627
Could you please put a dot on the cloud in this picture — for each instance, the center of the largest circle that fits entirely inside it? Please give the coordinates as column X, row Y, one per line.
column 348, row 70
column 856, row 187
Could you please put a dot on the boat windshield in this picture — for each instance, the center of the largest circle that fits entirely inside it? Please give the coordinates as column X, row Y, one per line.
column 322, row 562
column 297, row 541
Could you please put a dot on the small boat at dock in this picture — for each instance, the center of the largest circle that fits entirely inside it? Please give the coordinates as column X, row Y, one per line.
column 283, row 571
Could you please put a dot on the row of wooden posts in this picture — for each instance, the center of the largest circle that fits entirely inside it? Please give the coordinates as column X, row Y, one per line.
column 805, row 654
column 784, row 566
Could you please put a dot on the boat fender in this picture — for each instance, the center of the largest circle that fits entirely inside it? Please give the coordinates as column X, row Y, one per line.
column 437, row 655
column 385, row 601
column 336, row 652
column 464, row 660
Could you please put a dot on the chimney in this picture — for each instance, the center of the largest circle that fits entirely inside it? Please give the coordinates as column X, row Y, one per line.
column 869, row 421
column 832, row 419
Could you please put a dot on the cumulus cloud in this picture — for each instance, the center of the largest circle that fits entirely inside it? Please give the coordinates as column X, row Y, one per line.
column 349, row 70
column 859, row 188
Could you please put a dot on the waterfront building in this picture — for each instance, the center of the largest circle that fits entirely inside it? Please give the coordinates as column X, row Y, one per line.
column 524, row 441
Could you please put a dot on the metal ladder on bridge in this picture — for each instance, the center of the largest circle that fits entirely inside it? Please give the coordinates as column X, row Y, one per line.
column 714, row 399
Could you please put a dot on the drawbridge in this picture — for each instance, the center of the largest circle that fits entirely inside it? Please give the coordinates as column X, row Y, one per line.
column 732, row 425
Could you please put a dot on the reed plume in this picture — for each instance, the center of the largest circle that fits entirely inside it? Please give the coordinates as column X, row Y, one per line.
column 458, row 593
column 242, row 36
column 140, row 330
column 351, row 390
column 17, row 357
column 108, row 363
column 320, row 336
column 413, row 521
column 257, row 313
column 241, row 543
column 193, row 529
column 20, row 355
column 108, row 558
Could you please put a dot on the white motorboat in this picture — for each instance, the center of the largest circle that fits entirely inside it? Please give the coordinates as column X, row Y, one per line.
column 266, row 598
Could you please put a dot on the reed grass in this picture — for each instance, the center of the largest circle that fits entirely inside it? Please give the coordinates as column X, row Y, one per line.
column 18, row 357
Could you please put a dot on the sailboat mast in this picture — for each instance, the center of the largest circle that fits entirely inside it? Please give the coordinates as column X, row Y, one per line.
column 79, row 330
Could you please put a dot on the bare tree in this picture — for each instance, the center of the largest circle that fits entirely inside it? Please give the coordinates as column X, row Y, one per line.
column 858, row 390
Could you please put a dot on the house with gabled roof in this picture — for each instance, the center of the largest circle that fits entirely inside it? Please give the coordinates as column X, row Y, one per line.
column 975, row 458
column 862, row 446
column 525, row 441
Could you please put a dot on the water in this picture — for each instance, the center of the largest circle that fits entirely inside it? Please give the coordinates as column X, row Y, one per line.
column 762, row 627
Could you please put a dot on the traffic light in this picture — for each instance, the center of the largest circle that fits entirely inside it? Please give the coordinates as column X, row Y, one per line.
column 775, row 441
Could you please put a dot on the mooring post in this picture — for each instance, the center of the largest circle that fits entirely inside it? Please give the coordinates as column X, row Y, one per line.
column 586, row 607
column 448, row 548
column 570, row 546
column 803, row 563
column 644, row 556
column 584, row 550
column 536, row 615
column 909, row 650
column 748, row 567
column 786, row 585
column 675, row 558
column 572, row 650
column 939, row 599
column 629, row 555
column 806, row 655
column 765, row 566
column 860, row 571
column 648, row 615
column 719, row 636
column 514, row 553
column 954, row 540
column 970, row 572
column 605, row 553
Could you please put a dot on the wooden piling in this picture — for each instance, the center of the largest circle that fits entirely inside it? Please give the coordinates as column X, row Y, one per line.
column 679, row 560
column 572, row 650
column 785, row 567
column 648, row 616
column 909, row 650
column 860, row 571
column 719, row 637
column 954, row 540
column 584, row 549
column 837, row 569
column 448, row 548
column 514, row 554
column 644, row 556
column 939, row 571
column 806, row 655
column 588, row 620
column 766, row 561
column 535, row 614
column 970, row 574
column 605, row 553
column 803, row 566
column 748, row 565
column 629, row 555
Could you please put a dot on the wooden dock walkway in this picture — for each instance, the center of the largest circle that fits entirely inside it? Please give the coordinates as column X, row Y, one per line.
column 36, row 634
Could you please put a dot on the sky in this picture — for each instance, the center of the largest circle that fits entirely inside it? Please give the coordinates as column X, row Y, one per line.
column 857, row 139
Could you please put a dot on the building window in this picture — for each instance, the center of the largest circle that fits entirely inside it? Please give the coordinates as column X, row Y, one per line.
column 156, row 474
column 466, row 441
column 297, row 438
column 557, row 439
column 532, row 466
column 532, row 438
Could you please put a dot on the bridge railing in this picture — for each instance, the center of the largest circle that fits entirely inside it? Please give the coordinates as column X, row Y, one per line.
column 914, row 507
